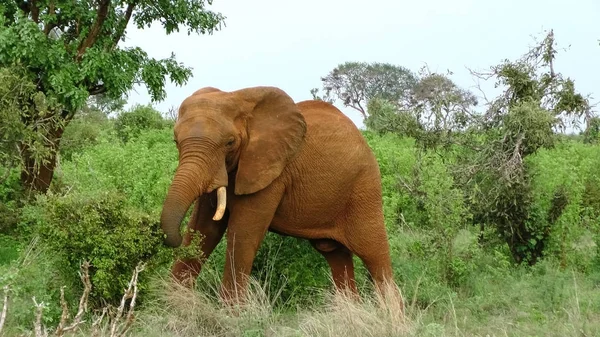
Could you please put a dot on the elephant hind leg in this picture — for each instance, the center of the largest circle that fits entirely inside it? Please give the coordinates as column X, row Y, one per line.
column 339, row 259
column 373, row 249
column 365, row 235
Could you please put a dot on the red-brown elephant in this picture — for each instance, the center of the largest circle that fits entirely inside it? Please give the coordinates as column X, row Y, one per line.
column 253, row 161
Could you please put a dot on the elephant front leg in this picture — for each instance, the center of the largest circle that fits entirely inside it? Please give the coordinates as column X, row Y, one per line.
column 186, row 270
column 249, row 221
column 241, row 251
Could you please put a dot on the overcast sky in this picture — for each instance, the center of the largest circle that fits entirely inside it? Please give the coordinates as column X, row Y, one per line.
column 291, row 44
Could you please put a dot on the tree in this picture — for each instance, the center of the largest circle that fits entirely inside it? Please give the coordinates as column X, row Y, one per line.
column 550, row 90
column 70, row 50
column 591, row 135
column 104, row 104
column 315, row 95
column 440, row 104
column 536, row 101
column 385, row 117
column 356, row 83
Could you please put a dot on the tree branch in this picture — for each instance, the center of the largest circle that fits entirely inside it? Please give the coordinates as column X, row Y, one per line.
column 35, row 11
column 123, row 25
column 98, row 89
column 95, row 30
column 51, row 12
column 24, row 6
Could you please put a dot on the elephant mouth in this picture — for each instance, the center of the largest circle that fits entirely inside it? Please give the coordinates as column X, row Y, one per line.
column 221, row 203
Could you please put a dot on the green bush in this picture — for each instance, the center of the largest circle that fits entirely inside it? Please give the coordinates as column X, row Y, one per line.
column 85, row 130
column 11, row 200
column 105, row 207
column 129, row 124
column 565, row 200
column 591, row 135
column 141, row 170
column 100, row 228
column 29, row 271
column 384, row 117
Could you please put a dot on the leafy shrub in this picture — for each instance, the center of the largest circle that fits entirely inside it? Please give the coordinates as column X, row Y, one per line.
column 99, row 228
column 129, row 124
column 28, row 269
column 385, row 117
column 85, row 130
column 566, row 178
column 293, row 268
column 591, row 135
column 141, row 170
column 21, row 102
column 419, row 193
column 11, row 199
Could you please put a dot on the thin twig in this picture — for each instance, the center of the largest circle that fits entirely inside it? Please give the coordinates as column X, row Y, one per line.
column 96, row 324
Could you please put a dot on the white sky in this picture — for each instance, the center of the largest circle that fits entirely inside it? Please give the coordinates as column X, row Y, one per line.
column 292, row 44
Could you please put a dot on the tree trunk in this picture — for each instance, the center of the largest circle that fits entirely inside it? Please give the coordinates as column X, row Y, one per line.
column 40, row 181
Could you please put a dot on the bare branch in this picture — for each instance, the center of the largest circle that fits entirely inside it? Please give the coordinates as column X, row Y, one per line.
column 124, row 23
column 96, row 324
column 40, row 331
column 65, row 313
column 130, row 292
column 83, row 300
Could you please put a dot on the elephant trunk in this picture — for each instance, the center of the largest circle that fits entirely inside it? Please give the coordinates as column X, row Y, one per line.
column 184, row 189
column 198, row 172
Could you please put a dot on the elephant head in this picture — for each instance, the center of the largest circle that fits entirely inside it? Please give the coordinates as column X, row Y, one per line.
column 252, row 133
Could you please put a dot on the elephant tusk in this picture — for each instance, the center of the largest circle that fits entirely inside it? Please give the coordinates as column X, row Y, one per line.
column 221, row 203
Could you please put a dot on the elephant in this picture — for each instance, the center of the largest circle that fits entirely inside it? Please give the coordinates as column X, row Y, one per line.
column 252, row 160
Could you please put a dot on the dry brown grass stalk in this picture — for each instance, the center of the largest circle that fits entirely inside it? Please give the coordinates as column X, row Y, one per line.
column 379, row 315
column 185, row 312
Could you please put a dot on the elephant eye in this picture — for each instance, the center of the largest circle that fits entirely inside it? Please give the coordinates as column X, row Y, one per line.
column 231, row 142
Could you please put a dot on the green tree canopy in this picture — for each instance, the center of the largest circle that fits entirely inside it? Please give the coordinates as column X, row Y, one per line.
column 70, row 50
column 440, row 104
column 356, row 83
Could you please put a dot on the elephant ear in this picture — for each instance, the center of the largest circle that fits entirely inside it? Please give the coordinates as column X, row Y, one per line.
column 276, row 131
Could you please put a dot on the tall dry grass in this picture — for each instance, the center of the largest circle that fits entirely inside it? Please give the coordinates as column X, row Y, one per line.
column 184, row 312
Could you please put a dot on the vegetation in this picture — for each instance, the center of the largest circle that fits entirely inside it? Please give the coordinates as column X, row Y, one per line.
column 493, row 216
column 61, row 53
